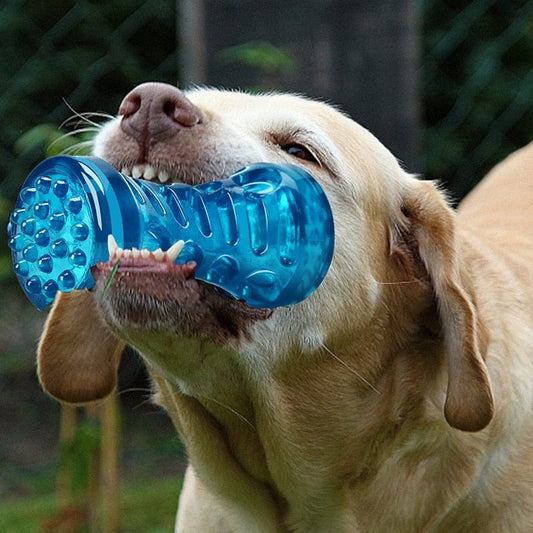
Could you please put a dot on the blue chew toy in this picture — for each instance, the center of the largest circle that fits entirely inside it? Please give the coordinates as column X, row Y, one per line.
column 264, row 235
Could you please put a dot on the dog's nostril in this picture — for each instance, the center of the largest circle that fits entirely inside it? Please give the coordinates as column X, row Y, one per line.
column 169, row 108
column 181, row 111
column 184, row 112
column 130, row 105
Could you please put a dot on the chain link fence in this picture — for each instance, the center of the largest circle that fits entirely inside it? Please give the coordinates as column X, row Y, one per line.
column 476, row 83
column 82, row 56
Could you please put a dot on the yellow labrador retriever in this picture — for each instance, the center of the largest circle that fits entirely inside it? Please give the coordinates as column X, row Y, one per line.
column 396, row 398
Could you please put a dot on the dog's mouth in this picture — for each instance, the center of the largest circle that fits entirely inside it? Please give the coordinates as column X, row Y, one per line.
column 142, row 290
column 166, row 172
column 147, row 293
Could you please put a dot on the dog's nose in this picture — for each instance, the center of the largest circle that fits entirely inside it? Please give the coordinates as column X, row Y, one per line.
column 155, row 111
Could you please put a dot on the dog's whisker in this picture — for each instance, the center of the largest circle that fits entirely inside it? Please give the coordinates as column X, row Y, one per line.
column 407, row 282
column 348, row 367
column 135, row 389
column 88, row 129
column 74, row 147
column 77, row 121
column 147, row 399
column 78, row 147
column 236, row 413
column 89, row 114
column 81, row 144
column 85, row 117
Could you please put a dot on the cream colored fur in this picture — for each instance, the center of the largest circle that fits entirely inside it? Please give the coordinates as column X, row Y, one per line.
column 397, row 398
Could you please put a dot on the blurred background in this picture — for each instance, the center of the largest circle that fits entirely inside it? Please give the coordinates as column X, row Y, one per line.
column 445, row 84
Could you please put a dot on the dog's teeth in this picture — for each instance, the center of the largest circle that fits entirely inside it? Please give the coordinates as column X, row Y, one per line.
column 135, row 253
column 158, row 254
column 145, row 254
column 137, row 171
column 175, row 250
column 149, row 173
column 127, row 253
column 119, row 253
column 112, row 246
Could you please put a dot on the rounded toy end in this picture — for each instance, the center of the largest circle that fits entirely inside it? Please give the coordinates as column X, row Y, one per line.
column 50, row 232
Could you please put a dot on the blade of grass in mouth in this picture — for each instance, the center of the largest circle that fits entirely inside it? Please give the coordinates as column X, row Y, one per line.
column 110, row 278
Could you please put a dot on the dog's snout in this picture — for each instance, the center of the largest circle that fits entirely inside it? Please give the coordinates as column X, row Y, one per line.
column 154, row 111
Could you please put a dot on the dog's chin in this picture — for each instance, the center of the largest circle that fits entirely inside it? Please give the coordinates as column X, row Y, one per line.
column 144, row 296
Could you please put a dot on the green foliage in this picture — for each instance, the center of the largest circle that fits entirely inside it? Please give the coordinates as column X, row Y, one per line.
column 110, row 279
column 5, row 260
column 27, row 515
column 259, row 54
column 77, row 455
column 269, row 61
column 51, row 140
column 147, row 506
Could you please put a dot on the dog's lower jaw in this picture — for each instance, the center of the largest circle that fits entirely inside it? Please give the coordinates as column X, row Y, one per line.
column 143, row 297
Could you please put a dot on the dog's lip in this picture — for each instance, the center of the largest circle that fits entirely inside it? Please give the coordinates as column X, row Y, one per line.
column 145, row 294
column 137, row 273
column 140, row 264
column 134, row 271
column 151, row 262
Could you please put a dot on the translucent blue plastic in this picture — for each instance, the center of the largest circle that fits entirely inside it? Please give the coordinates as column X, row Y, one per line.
column 264, row 235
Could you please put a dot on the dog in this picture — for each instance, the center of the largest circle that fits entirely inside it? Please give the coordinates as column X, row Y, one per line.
column 397, row 397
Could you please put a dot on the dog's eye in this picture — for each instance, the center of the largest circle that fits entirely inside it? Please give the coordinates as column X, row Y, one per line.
column 299, row 151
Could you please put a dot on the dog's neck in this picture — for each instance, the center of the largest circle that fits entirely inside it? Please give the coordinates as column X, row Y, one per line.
column 271, row 429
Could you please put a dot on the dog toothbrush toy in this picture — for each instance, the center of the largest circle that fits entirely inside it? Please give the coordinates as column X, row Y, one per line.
column 264, row 235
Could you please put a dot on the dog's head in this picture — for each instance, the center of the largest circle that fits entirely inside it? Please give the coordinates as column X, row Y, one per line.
column 394, row 267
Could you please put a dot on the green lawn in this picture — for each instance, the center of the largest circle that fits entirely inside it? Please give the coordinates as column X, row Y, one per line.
column 146, row 507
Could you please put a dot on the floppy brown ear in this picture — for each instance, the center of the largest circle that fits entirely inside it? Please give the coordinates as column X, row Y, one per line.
column 78, row 355
column 469, row 402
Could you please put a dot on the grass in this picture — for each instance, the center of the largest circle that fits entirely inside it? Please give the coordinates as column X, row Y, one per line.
column 145, row 507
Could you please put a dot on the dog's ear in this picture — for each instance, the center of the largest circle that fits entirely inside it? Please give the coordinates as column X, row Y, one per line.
column 78, row 355
column 431, row 225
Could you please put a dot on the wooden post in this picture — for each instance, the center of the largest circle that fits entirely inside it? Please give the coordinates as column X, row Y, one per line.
column 93, row 483
column 67, row 429
column 109, row 466
column 100, row 509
